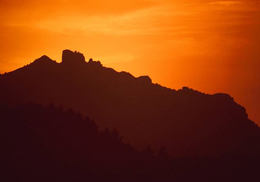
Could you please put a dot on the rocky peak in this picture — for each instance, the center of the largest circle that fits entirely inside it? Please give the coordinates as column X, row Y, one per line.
column 144, row 79
column 43, row 59
column 72, row 58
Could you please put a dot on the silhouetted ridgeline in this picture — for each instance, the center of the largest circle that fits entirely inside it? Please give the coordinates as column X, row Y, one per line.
column 48, row 144
column 186, row 122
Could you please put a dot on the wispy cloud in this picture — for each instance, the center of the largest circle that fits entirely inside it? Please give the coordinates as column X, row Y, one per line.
column 141, row 22
column 226, row 3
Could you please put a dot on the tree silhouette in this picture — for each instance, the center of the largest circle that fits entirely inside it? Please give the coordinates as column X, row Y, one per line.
column 148, row 151
column 163, row 152
column 48, row 144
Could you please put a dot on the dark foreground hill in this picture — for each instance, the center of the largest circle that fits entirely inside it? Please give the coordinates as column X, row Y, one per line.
column 48, row 144
column 186, row 121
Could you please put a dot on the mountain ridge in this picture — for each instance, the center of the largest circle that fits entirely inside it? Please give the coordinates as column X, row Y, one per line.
column 52, row 144
column 186, row 121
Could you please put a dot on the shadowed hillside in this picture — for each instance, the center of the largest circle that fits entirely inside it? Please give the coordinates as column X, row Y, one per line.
column 186, row 122
column 50, row 144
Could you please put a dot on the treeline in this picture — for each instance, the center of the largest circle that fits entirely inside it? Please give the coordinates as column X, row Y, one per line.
column 49, row 144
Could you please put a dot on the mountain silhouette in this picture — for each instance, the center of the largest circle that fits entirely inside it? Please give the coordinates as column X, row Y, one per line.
column 52, row 144
column 185, row 121
column 49, row 144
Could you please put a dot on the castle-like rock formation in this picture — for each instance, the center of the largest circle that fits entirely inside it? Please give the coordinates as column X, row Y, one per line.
column 72, row 58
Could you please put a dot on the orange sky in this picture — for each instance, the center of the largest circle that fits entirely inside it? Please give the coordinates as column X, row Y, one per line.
column 211, row 46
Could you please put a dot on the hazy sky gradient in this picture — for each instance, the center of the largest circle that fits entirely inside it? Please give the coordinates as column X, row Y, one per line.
column 210, row 46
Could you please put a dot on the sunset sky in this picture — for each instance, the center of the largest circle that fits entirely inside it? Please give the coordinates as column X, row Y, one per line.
column 210, row 46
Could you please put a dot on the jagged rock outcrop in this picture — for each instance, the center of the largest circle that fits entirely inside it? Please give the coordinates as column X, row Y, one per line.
column 144, row 79
column 72, row 58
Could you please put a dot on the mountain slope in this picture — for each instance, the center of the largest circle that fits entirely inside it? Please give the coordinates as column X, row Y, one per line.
column 49, row 144
column 187, row 122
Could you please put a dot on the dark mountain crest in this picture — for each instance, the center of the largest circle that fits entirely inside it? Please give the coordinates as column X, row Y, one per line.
column 44, row 141
column 74, row 59
column 71, row 58
column 144, row 79
column 186, row 121
column 44, row 60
